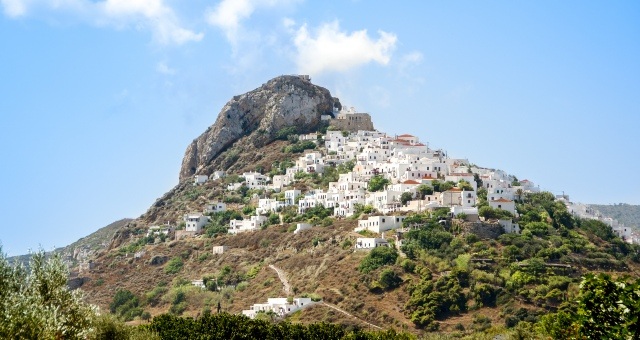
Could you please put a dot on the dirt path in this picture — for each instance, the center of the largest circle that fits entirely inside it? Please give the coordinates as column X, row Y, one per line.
column 348, row 314
column 283, row 277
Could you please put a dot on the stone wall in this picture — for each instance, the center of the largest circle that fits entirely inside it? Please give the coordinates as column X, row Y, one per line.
column 352, row 122
column 483, row 230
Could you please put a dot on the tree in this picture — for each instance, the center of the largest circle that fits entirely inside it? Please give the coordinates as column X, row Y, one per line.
column 424, row 190
column 35, row 303
column 377, row 258
column 464, row 185
column 608, row 308
column 377, row 183
column 388, row 279
column 405, row 197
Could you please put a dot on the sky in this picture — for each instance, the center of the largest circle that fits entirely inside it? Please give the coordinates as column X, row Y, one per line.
column 100, row 98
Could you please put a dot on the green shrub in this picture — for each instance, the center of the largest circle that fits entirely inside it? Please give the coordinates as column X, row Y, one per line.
column 378, row 257
column 174, row 265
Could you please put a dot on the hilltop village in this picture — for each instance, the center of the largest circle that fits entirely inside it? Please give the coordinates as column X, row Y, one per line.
column 388, row 176
column 364, row 171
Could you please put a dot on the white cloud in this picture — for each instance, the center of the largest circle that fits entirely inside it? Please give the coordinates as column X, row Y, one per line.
column 14, row 8
column 288, row 23
column 163, row 68
column 412, row 58
column 229, row 14
column 334, row 50
column 152, row 14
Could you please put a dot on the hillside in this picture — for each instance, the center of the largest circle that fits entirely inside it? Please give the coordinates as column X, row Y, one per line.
column 627, row 214
column 459, row 267
column 83, row 249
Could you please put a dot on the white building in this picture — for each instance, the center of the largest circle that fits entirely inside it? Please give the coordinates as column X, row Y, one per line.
column 504, row 204
column 379, row 224
column 217, row 250
column 215, row 207
column 218, row 174
column 159, row 230
column 199, row 179
column 198, row 283
column 195, row 221
column 290, row 196
column 301, row 226
column 509, row 226
column 279, row 306
column 240, row 226
column 255, row 180
column 370, row 243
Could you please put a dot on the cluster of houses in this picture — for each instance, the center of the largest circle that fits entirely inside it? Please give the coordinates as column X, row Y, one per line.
column 403, row 160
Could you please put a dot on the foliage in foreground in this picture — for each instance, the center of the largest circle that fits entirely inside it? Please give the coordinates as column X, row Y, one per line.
column 229, row 326
column 607, row 309
column 36, row 304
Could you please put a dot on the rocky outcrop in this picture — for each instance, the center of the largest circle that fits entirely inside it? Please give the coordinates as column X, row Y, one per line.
column 483, row 230
column 285, row 101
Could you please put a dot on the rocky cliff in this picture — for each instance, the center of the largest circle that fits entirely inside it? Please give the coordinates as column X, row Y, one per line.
column 285, row 101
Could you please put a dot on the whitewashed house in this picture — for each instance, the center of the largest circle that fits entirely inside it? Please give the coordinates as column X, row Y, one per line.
column 255, row 180
column 302, row 226
column 504, row 204
column 379, row 224
column 471, row 212
column 159, row 230
column 290, row 196
column 240, row 226
column 215, row 207
column 269, row 205
column 199, row 179
column 218, row 174
column 382, row 200
column 311, row 162
column 198, row 283
column 217, row 250
column 370, row 243
column 279, row 306
column 280, row 181
column 509, row 226
column 195, row 222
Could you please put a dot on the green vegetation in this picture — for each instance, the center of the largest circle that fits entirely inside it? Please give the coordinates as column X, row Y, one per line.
column 36, row 304
column 285, row 133
column 377, row 183
column 125, row 305
column 219, row 222
column 174, row 265
column 228, row 326
column 378, row 257
column 607, row 309
column 299, row 146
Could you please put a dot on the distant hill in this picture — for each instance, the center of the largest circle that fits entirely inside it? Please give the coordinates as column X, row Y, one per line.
column 627, row 214
column 83, row 248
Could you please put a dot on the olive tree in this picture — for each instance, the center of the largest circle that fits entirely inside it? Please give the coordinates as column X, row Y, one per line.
column 35, row 303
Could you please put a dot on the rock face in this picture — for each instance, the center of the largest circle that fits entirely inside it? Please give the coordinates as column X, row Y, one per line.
column 285, row 101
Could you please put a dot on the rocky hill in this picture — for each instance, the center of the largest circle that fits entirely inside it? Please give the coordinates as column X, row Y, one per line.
column 258, row 115
column 449, row 274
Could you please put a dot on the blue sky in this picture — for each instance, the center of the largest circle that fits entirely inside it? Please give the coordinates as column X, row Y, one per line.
column 101, row 98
